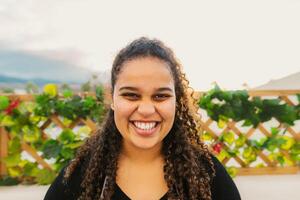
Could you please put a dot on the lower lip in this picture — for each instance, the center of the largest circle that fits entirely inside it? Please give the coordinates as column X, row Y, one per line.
column 144, row 133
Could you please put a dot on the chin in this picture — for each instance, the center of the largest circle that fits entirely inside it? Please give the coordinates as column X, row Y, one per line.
column 144, row 144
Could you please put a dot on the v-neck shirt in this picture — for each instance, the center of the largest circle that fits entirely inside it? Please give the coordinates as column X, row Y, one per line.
column 222, row 186
column 120, row 195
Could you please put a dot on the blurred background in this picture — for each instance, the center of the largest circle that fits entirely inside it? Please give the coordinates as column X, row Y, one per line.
column 238, row 45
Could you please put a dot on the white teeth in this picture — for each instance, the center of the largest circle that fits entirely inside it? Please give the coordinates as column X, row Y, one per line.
column 145, row 126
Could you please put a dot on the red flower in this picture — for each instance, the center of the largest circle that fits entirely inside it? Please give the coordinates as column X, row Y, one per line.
column 13, row 105
column 217, row 147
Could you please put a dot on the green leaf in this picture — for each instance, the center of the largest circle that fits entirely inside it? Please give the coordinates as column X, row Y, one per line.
column 12, row 160
column 14, row 171
column 221, row 123
column 67, row 93
column 51, row 149
column 228, row 137
column 296, row 158
column 31, row 133
column 89, row 102
column 84, row 130
column 206, row 136
column 7, row 120
column 240, row 141
column 249, row 154
column 29, row 168
column 8, row 181
column 14, row 145
column 4, row 102
column 44, row 176
column 247, row 122
column 66, row 136
column 232, row 171
column 298, row 97
column 1, row 117
column 222, row 155
column 281, row 160
column 274, row 131
column 100, row 93
column 296, row 148
column 74, row 145
column 67, row 153
column 233, row 152
column 271, row 144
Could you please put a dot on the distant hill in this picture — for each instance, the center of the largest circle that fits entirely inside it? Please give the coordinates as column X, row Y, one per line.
column 13, row 80
column 21, row 66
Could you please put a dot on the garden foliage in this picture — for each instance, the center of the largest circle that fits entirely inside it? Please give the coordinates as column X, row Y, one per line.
column 23, row 119
column 226, row 106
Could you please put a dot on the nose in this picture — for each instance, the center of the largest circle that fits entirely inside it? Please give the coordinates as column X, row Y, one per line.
column 146, row 108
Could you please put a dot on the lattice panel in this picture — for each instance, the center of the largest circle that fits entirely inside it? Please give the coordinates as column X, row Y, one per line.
column 31, row 151
column 270, row 166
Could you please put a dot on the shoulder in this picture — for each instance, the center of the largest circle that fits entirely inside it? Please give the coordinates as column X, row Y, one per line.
column 65, row 189
column 223, row 186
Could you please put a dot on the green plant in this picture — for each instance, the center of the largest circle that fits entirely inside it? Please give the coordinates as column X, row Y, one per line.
column 225, row 106
column 22, row 120
column 237, row 105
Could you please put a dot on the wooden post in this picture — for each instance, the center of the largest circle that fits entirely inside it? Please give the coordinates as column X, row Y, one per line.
column 3, row 150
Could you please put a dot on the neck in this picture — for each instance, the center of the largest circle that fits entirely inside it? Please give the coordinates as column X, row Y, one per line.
column 139, row 155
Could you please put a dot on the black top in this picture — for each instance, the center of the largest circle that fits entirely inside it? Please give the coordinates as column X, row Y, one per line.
column 119, row 194
column 222, row 188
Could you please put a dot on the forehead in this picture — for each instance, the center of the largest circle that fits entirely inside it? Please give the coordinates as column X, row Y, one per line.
column 145, row 73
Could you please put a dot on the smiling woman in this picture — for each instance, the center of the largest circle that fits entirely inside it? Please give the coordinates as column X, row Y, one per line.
column 148, row 147
column 144, row 102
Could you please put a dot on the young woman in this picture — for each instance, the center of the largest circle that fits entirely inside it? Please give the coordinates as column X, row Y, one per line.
column 148, row 147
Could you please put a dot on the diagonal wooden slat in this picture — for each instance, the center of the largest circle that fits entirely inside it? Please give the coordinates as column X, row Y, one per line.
column 90, row 124
column 266, row 159
column 43, row 127
column 234, row 128
column 287, row 100
column 34, row 154
column 294, row 133
column 264, row 131
column 74, row 123
column 46, row 124
column 58, row 122
column 250, row 132
column 206, row 128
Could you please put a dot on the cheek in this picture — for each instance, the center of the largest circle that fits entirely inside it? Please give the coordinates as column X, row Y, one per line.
column 123, row 109
column 168, row 110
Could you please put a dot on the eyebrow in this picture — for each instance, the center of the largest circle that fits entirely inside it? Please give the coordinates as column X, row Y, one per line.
column 162, row 89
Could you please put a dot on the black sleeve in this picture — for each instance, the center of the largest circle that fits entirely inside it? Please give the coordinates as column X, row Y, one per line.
column 66, row 191
column 223, row 187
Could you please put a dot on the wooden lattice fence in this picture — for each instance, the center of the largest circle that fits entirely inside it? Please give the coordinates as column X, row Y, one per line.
column 271, row 167
column 53, row 120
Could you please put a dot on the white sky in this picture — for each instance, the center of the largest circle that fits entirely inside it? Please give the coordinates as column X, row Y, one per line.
column 231, row 42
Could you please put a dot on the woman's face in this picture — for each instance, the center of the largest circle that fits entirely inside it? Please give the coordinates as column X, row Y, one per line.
column 144, row 102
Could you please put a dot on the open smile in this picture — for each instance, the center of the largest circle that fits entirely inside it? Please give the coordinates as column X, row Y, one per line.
column 145, row 128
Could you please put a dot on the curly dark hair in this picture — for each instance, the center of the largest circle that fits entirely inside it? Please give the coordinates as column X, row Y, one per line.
column 188, row 169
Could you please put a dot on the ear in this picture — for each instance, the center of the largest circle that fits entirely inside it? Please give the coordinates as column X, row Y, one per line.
column 112, row 101
column 112, row 106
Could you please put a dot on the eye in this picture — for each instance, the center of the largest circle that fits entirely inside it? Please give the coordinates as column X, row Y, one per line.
column 130, row 95
column 161, row 96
